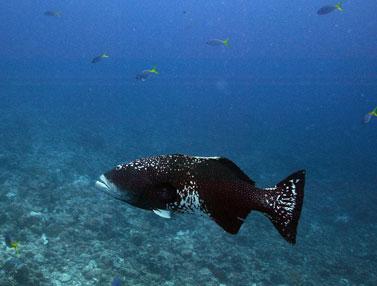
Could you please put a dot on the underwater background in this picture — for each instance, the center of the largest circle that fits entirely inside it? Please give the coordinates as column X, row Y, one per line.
column 289, row 93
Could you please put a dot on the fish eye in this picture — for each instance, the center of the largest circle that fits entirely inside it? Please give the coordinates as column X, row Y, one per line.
column 118, row 167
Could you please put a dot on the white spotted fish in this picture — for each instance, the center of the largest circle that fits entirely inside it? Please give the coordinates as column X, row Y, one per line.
column 214, row 186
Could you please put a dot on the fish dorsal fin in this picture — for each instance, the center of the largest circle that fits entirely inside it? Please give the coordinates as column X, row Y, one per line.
column 235, row 169
column 162, row 213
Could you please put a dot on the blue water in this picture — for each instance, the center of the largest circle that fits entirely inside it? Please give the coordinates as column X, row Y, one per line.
column 290, row 93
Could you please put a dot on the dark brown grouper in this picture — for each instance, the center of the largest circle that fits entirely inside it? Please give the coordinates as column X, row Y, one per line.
column 211, row 185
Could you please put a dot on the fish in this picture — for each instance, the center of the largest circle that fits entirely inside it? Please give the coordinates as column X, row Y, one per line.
column 369, row 115
column 330, row 8
column 52, row 13
column 210, row 186
column 9, row 242
column 99, row 58
column 218, row 42
column 116, row 281
column 143, row 76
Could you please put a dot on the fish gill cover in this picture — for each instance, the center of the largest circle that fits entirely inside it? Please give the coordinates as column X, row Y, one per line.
column 274, row 86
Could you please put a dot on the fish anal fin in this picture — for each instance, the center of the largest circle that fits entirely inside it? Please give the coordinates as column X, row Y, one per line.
column 228, row 212
column 230, row 224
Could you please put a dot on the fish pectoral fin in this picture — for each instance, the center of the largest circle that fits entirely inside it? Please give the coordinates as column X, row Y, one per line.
column 162, row 213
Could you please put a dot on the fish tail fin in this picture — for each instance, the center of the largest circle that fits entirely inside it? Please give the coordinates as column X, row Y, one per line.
column 226, row 42
column 283, row 203
column 339, row 6
column 154, row 70
column 374, row 112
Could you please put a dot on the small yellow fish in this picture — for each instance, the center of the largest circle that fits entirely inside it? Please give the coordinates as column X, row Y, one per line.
column 339, row 7
column 16, row 246
column 331, row 8
column 99, row 58
column 218, row 42
column 369, row 115
column 53, row 13
column 153, row 70
column 373, row 112
column 146, row 73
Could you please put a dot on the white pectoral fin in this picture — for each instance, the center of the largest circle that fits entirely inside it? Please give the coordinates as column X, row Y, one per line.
column 162, row 213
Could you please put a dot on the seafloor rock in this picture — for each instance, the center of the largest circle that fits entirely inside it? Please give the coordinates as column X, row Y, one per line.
column 83, row 225
column 22, row 274
column 91, row 270
column 3, row 218
column 64, row 277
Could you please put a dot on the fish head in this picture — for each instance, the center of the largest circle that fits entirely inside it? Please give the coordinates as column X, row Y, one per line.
column 131, row 185
column 141, row 187
column 119, row 183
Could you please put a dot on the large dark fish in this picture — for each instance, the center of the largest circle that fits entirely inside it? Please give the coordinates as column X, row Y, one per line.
column 211, row 185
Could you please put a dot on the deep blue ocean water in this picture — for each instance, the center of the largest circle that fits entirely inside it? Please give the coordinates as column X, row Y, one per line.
column 289, row 93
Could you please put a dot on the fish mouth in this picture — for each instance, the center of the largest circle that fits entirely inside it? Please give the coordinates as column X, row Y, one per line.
column 108, row 187
column 103, row 184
